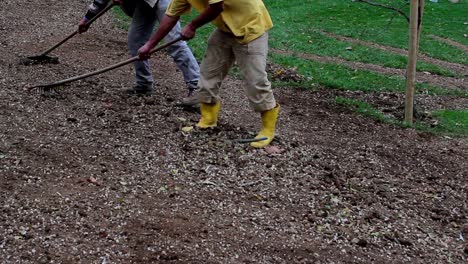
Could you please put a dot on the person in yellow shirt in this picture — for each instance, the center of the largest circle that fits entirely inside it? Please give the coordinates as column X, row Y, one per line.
column 241, row 36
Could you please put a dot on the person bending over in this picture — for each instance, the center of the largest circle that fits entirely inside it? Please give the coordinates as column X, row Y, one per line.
column 242, row 36
column 145, row 14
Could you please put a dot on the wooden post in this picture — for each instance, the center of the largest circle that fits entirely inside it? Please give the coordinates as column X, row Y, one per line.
column 420, row 17
column 412, row 59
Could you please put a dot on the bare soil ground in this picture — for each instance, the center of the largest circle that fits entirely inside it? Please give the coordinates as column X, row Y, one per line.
column 90, row 175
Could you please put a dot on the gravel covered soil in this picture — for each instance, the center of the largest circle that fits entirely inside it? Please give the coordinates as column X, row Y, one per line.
column 90, row 175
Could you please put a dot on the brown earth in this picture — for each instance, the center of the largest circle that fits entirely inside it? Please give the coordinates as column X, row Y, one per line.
column 89, row 175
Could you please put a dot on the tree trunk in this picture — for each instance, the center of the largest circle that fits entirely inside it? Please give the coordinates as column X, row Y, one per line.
column 415, row 17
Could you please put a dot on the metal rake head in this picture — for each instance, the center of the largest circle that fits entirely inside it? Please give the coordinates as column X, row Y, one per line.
column 44, row 89
column 250, row 140
column 41, row 59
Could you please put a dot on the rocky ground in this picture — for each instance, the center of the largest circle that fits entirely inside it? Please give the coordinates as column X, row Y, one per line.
column 90, row 175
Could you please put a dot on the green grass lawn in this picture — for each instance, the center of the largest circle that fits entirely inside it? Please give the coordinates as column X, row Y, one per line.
column 314, row 42
column 123, row 21
column 451, row 121
column 299, row 28
column 362, row 21
column 344, row 78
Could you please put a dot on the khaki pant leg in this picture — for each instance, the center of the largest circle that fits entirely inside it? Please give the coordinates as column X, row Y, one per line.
column 215, row 66
column 251, row 59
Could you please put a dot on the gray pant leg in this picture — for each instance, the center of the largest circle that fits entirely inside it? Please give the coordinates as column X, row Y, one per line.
column 179, row 51
column 142, row 25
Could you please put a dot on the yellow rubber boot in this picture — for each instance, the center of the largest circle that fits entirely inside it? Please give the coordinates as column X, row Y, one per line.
column 209, row 115
column 268, row 127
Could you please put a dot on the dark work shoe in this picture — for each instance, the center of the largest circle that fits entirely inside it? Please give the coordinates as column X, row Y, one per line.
column 191, row 100
column 139, row 91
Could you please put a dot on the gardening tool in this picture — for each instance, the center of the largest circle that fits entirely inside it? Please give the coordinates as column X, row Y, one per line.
column 250, row 140
column 50, row 86
column 44, row 58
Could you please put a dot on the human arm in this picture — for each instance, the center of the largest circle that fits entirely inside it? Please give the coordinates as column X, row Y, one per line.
column 94, row 8
column 212, row 12
column 164, row 28
column 188, row 32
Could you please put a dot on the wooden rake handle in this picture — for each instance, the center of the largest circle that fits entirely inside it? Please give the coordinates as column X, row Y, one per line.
column 111, row 67
column 76, row 32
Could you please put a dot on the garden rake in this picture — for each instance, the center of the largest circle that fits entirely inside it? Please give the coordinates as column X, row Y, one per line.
column 44, row 88
column 251, row 140
column 44, row 58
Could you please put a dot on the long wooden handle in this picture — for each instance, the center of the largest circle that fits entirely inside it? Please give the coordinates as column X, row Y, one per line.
column 111, row 67
column 58, row 44
column 76, row 32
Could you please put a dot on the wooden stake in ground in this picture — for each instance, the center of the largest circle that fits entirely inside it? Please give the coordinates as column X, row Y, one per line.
column 417, row 7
